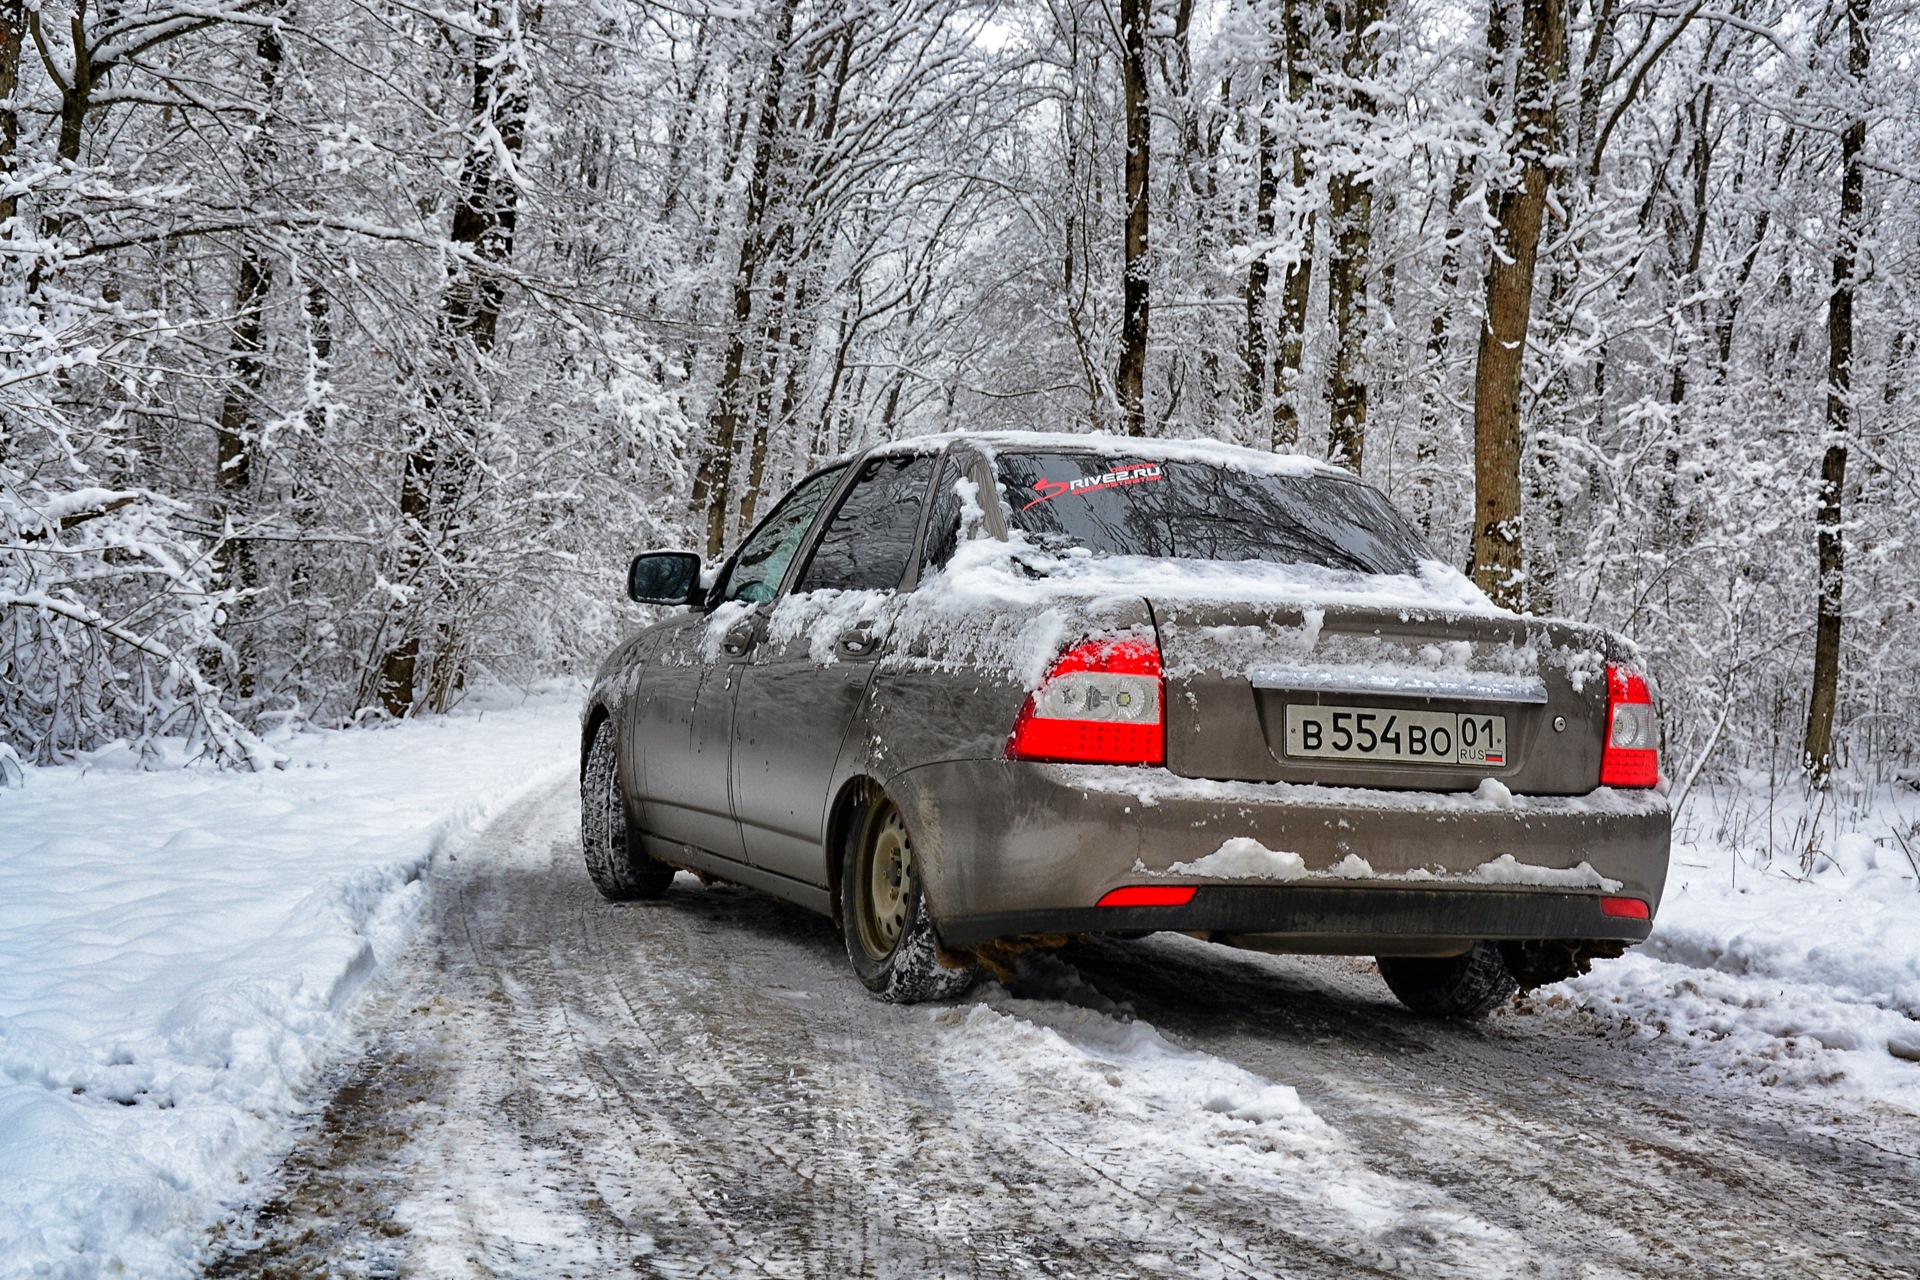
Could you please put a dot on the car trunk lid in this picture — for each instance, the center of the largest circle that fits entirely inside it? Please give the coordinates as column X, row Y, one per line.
column 1268, row 692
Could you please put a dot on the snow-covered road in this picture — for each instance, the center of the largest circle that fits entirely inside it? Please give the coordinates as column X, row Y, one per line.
column 556, row 1086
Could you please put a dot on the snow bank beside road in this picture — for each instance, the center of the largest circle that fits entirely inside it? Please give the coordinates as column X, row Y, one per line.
column 1797, row 977
column 177, row 952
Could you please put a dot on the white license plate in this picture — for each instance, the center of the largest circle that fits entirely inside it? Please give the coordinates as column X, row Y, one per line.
column 1396, row 737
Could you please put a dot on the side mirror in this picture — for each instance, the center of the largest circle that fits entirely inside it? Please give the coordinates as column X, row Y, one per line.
column 665, row 577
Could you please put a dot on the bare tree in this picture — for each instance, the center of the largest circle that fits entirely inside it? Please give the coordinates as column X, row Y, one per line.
column 1130, row 379
column 1253, row 385
column 1350, row 213
column 1499, row 566
column 440, row 460
column 1439, row 342
column 1831, row 549
column 1297, row 287
column 238, row 425
column 13, row 31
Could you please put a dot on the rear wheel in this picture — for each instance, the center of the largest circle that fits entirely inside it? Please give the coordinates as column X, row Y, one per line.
column 620, row 871
column 1544, row 961
column 890, row 937
column 1470, row 985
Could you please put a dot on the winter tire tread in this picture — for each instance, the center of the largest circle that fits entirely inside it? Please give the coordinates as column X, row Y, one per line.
column 1467, row 986
column 618, row 868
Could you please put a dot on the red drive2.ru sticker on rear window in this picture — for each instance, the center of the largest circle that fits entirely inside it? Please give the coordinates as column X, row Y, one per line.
column 1119, row 477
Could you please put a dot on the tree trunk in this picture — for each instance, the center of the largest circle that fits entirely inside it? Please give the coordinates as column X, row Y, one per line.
column 1350, row 212
column 1498, row 561
column 768, row 364
column 319, row 351
column 1073, row 290
column 76, row 99
column 713, row 480
column 1298, row 285
column 1756, row 238
column 683, row 119
column 1699, row 165
column 1831, row 550
column 13, row 30
column 308, row 506
column 234, row 436
column 1253, row 384
column 437, row 467
column 1130, row 381
column 1439, row 335
column 805, row 233
column 826, row 432
column 1198, row 150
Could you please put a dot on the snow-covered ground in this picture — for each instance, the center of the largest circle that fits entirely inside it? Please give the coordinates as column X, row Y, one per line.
column 179, row 951
column 1788, row 944
column 558, row 1086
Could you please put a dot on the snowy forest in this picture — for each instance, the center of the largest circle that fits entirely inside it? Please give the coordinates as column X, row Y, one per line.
column 348, row 348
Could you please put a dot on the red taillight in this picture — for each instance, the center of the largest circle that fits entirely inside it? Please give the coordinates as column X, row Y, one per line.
column 1103, row 702
column 1149, row 895
column 1626, row 908
column 1632, row 755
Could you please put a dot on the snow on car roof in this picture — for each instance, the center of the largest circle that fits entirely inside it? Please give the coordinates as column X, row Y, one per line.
column 1218, row 452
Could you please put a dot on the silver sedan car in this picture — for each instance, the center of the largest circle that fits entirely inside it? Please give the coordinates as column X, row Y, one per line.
column 978, row 693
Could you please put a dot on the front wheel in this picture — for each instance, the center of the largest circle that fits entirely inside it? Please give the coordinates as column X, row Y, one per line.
column 620, row 870
column 890, row 938
column 1469, row 985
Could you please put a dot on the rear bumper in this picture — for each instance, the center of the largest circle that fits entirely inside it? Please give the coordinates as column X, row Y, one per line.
column 1009, row 848
column 1370, row 920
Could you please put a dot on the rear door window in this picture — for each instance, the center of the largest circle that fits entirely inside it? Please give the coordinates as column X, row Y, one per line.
column 866, row 545
column 1116, row 506
column 943, row 520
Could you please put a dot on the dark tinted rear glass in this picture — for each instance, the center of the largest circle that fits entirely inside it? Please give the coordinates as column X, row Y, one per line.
column 1205, row 511
column 943, row 520
column 866, row 544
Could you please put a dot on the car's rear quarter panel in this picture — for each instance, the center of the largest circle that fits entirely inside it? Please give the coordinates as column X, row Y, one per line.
column 948, row 693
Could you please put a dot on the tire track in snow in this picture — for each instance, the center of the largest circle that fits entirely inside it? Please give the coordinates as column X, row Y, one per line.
column 698, row 1087
column 1215, row 1154
column 1615, row 1155
column 720, row 1099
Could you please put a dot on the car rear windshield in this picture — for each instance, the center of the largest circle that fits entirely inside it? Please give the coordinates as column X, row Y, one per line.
column 1170, row 509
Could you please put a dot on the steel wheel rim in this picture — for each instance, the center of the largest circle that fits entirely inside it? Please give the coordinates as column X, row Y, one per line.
column 886, row 881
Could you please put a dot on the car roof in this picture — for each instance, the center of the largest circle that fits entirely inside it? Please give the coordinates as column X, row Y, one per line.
column 1217, row 452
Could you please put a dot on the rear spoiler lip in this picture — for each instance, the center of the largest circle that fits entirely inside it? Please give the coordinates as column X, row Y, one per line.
column 1484, row 686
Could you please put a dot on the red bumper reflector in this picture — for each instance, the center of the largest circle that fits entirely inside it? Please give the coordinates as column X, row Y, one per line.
column 1629, row 908
column 1150, row 895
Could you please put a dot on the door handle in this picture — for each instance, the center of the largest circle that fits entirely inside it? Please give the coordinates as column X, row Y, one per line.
column 859, row 640
column 737, row 641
